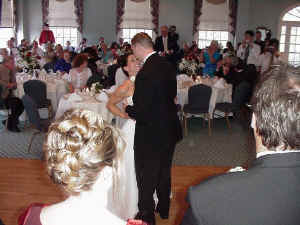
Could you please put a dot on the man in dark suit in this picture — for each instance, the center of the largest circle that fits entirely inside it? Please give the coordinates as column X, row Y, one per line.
column 166, row 44
column 268, row 192
column 157, row 128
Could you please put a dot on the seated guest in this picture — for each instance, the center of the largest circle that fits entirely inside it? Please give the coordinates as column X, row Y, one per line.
column 82, row 153
column 268, row 192
column 80, row 73
column 69, row 47
column 8, row 84
column 50, row 63
column 92, row 59
column 63, row 64
column 13, row 51
column 229, row 50
column 210, row 58
column 36, row 50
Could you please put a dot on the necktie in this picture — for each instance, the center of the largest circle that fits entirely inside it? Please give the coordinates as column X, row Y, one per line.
column 247, row 52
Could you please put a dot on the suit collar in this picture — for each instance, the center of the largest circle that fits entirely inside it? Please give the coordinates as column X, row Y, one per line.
column 278, row 160
column 148, row 56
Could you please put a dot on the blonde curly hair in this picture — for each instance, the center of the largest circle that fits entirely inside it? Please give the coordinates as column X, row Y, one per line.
column 77, row 147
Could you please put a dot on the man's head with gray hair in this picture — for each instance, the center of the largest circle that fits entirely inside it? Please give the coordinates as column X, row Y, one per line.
column 164, row 30
column 276, row 107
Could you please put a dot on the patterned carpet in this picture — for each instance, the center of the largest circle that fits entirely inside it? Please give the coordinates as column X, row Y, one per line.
column 226, row 147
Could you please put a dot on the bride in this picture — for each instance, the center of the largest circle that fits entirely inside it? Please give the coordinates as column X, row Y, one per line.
column 123, row 95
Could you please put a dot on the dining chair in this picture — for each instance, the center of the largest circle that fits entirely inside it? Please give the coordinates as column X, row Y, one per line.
column 198, row 104
column 241, row 96
column 35, row 98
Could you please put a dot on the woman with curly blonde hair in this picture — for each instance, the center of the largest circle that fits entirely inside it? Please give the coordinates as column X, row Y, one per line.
column 82, row 156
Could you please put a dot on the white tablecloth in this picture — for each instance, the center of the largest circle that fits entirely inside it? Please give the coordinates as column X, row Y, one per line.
column 88, row 103
column 218, row 95
column 56, row 88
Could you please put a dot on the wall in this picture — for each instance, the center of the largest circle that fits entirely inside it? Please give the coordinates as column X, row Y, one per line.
column 179, row 13
column 99, row 17
column 99, row 20
column 32, row 19
column 255, row 13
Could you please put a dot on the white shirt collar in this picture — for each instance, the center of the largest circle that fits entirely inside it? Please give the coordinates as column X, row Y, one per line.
column 145, row 59
column 260, row 154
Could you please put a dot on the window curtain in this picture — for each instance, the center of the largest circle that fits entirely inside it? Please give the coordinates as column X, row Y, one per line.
column 15, row 17
column 79, row 14
column 7, row 13
column 155, row 14
column 214, row 16
column 197, row 13
column 233, row 8
column 120, row 13
column 62, row 13
column 0, row 12
column 45, row 10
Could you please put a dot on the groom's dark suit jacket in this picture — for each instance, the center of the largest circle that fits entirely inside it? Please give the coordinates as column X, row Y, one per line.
column 154, row 109
column 266, row 194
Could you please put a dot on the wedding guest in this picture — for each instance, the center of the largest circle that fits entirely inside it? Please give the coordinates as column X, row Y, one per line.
column 210, row 58
column 99, row 46
column 4, row 52
column 69, row 47
column 36, row 50
column 63, row 64
column 271, row 56
column 23, row 45
column 80, row 73
column 266, row 193
column 92, row 59
column 258, row 40
column 13, row 51
column 248, row 50
column 165, row 45
column 7, row 85
column 46, row 36
column 82, row 153
column 82, row 45
column 229, row 50
column 121, row 42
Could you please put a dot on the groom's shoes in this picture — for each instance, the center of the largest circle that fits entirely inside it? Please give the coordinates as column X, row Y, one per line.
column 149, row 218
column 162, row 214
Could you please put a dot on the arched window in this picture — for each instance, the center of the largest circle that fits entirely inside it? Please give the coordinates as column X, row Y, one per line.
column 290, row 35
column 137, row 18
column 62, row 21
column 6, row 22
column 213, row 25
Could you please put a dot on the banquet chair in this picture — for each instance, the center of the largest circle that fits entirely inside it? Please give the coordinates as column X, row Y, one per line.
column 198, row 104
column 95, row 78
column 111, row 75
column 36, row 91
column 241, row 96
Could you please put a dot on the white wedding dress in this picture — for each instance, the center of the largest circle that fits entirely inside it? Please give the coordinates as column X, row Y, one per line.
column 128, row 207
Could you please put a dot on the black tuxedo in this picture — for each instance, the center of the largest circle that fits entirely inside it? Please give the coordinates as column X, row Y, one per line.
column 266, row 194
column 172, row 44
column 157, row 131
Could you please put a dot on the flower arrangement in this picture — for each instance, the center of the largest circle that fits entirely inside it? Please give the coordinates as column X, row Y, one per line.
column 189, row 66
column 28, row 62
column 96, row 88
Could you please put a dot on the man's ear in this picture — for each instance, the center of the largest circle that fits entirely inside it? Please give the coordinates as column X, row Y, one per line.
column 253, row 122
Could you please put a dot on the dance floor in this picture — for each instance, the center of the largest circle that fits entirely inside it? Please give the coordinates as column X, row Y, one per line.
column 25, row 181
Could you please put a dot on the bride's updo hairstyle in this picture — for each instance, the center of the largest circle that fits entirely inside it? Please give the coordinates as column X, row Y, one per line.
column 77, row 147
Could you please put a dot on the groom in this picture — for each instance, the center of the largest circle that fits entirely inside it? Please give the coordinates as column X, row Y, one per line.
column 157, row 128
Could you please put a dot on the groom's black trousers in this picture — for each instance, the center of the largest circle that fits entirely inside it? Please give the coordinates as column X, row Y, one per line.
column 153, row 172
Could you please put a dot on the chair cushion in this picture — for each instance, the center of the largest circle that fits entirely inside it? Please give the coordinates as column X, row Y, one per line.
column 194, row 110
column 224, row 107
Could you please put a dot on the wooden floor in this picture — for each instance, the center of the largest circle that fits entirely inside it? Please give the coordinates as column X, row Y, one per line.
column 23, row 182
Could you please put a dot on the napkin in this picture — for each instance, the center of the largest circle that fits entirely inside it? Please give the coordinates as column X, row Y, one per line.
column 220, row 83
column 102, row 97
column 75, row 98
